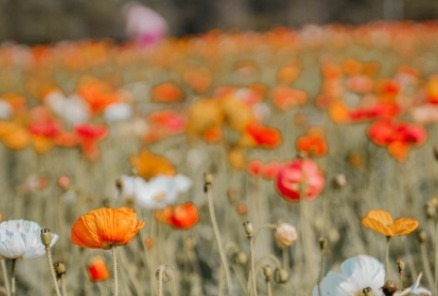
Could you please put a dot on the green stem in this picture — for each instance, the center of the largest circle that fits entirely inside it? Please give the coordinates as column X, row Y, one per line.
column 13, row 292
column 5, row 277
column 253, row 272
column 52, row 271
column 285, row 253
column 321, row 273
column 388, row 239
column 219, row 239
column 115, row 271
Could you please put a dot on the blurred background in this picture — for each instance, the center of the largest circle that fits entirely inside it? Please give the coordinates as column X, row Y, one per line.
column 42, row 21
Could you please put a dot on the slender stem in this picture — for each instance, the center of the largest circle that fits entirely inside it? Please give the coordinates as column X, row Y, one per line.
column 219, row 239
column 160, row 281
column 388, row 239
column 321, row 273
column 253, row 272
column 115, row 271
column 285, row 253
column 426, row 264
column 436, row 258
column 52, row 271
column 14, row 261
column 268, row 284
column 400, row 278
column 63, row 285
column 5, row 277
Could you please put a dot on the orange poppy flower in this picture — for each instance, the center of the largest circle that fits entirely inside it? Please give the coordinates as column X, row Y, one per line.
column 148, row 165
column 382, row 222
column 98, row 270
column 264, row 136
column 285, row 97
column 313, row 143
column 167, row 92
column 105, row 228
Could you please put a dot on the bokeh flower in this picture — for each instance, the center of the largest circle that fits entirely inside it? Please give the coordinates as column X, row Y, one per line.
column 301, row 176
column 97, row 269
column 105, row 228
column 182, row 216
column 21, row 239
column 149, row 165
column 357, row 273
column 382, row 222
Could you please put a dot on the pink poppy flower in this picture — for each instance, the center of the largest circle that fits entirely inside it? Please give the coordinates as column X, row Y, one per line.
column 298, row 173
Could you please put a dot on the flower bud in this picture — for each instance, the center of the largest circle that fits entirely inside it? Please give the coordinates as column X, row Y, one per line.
column 368, row 291
column 46, row 237
column 400, row 265
column 60, row 269
column 322, row 244
column 389, row 288
column 281, row 275
column 241, row 258
column 208, row 181
column 249, row 230
column 267, row 272
column 167, row 273
column 422, row 236
column 339, row 181
column 285, row 234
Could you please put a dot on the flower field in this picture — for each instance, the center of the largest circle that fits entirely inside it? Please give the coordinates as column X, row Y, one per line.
column 290, row 162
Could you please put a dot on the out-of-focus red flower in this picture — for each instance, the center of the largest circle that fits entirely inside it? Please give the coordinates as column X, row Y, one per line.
column 397, row 136
column 255, row 167
column 97, row 94
column 432, row 90
column 271, row 169
column 168, row 120
column 183, row 216
column 389, row 88
column 264, row 136
column 301, row 176
column 98, row 270
column 198, row 78
column 89, row 136
column 313, row 143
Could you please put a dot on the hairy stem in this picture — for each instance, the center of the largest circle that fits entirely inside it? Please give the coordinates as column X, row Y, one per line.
column 160, row 281
column 388, row 239
column 5, row 277
column 52, row 271
column 13, row 292
column 115, row 271
column 426, row 264
column 253, row 272
column 219, row 239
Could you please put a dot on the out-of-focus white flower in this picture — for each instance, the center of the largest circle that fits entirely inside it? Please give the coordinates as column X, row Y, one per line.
column 155, row 194
column 357, row 273
column 5, row 110
column 72, row 109
column 21, row 239
column 286, row 234
column 415, row 289
column 117, row 112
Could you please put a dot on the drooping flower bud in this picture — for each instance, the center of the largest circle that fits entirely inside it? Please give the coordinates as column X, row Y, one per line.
column 286, row 234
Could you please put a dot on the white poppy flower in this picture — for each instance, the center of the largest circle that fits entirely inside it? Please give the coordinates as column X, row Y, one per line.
column 5, row 109
column 155, row 194
column 415, row 289
column 71, row 109
column 22, row 239
column 357, row 273
column 117, row 112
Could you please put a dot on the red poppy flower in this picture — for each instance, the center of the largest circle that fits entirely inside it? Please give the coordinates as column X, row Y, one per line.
column 183, row 216
column 88, row 137
column 263, row 136
column 98, row 270
column 298, row 176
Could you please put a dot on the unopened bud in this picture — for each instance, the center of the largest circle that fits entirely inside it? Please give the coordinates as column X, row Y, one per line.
column 241, row 258
column 322, row 244
column 400, row 265
column 435, row 152
column 339, row 181
column 389, row 288
column 208, row 181
column 60, row 269
column 46, row 237
column 267, row 272
column 281, row 275
column 249, row 230
column 422, row 236
column 166, row 272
